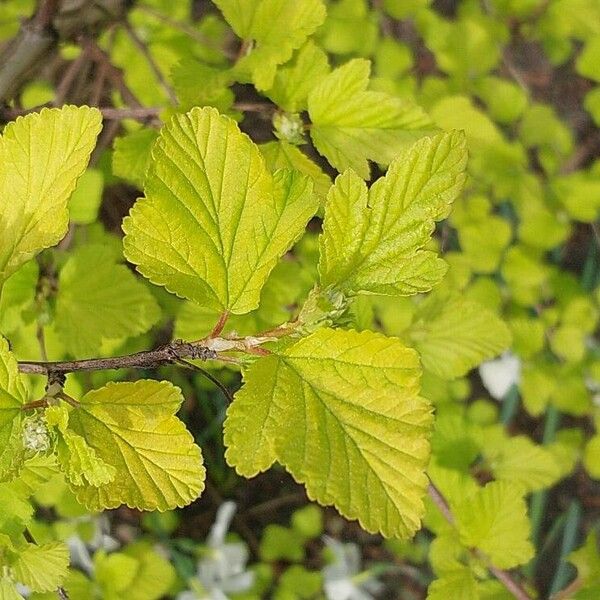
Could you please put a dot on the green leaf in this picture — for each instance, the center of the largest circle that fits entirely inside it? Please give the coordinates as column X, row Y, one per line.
column 340, row 410
column 98, row 299
column 138, row 573
column 591, row 457
column 8, row 590
column 198, row 84
column 453, row 335
column 132, row 427
column 308, row 521
column 77, row 459
column 131, row 156
column 17, row 511
column 214, row 221
column 18, row 295
column 352, row 125
column 36, row 471
column 294, row 81
column 287, row 284
column 42, row 568
column 33, row 205
column 587, row 560
column 459, row 584
column 519, row 460
column 494, row 520
column 592, row 104
column 13, row 394
column 278, row 27
column 373, row 239
column 239, row 14
column 588, row 62
column 281, row 543
column 85, row 200
column 483, row 241
column 283, row 155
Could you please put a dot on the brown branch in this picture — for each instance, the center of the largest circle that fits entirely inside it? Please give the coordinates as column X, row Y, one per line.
column 98, row 87
column 22, row 56
column 173, row 352
column 584, row 153
column 35, row 43
column 218, row 328
column 504, row 577
column 62, row 89
column 46, row 11
column 138, row 113
column 114, row 73
column 148, row 359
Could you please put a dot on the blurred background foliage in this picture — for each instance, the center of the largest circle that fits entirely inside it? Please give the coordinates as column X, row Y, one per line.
column 522, row 78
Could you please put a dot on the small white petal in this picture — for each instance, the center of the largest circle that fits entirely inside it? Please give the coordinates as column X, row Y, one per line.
column 187, row 595
column 499, row 375
column 340, row 589
column 235, row 556
column 80, row 555
column 216, row 537
column 241, row 582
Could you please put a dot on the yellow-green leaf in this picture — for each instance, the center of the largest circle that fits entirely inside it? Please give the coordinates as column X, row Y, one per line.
column 352, row 125
column 42, row 568
column 373, row 239
column 214, row 221
column 341, row 411
column 13, row 395
column 453, row 335
column 99, row 299
column 494, row 520
column 132, row 427
column 41, row 157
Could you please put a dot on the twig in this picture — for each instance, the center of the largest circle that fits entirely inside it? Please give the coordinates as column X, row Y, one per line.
column 41, row 338
column 114, row 73
column 208, row 375
column 46, row 11
column 258, row 107
column 148, row 359
column 98, row 88
column 175, row 351
column 139, row 113
column 66, row 82
column 43, row 403
column 270, row 506
column 218, row 328
column 586, row 151
column 109, row 113
column 62, row 593
column 22, row 56
column 440, row 502
column 143, row 48
column 109, row 133
column 504, row 577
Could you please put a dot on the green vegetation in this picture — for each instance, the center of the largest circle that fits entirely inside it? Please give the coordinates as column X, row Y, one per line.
column 299, row 299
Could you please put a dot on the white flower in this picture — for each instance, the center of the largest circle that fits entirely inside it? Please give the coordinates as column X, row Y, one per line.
column 499, row 375
column 343, row 579
column 81, row 552
column 35, row 435
column 222, row 570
